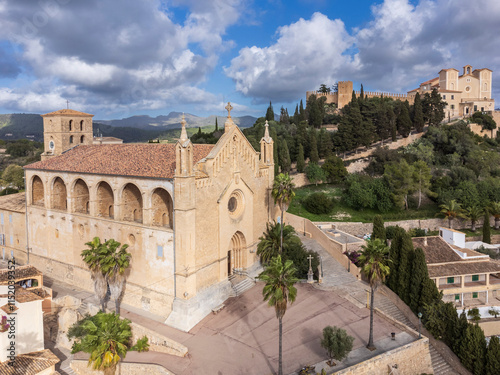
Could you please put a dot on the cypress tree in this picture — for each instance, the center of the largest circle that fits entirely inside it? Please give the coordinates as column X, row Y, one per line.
column 284, row 157
column 493, row 357
column 462, row 324
column 270, row 112
column 486, row 227
column 430, row 293
column 325, row 144
column 301, row 164
column 403, row 121
column 314, row 148
column 296, row 115
column 418, row 274
column 394, row 254
column 403, row 289
column 472, row 352
column 362, row 93
column 378, row 228
column 302, row 113
column 392, row 122
column 418, row 116
column 450, row 320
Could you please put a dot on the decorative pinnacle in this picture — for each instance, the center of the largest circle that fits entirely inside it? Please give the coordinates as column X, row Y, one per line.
column 266, row 133
column 229, row 108
column 184, row 136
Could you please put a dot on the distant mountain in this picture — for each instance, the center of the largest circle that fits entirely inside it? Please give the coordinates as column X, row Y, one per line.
column 131, row 129
column 173, row 121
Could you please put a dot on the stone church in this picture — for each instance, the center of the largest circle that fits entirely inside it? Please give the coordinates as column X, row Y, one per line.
column 191, row 214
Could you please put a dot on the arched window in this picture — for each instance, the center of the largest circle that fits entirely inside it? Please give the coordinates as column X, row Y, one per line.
column 485, row 86
column 82, row 138
column 70, row 139
column 81, row 197
column 37, row 192
column 162, row 207
column 70, row 125
column 105, row 200
column 81, row 125
column 131, row 203
column 59, row 196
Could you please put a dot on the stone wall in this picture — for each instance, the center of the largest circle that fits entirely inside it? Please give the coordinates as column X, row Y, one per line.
column 410, row 359
column 157, row 342
column 431, row 224
column 80, row 367
column 300, row 180
column 334, row 248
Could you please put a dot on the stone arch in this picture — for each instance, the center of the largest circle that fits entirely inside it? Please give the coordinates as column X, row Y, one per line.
column 81, row 197
column 70, row 139
column 105, row 200
column 59, row 195
column 81, row 125
column 162, row 208
column 485, row 86
column 37, row 192
column 131, row 203
column 236, row 255
column 82, row 138
column 70, row 125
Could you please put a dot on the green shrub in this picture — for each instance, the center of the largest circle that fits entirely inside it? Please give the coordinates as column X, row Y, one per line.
column 417, row 232
column 390, row 231
column 318, row 203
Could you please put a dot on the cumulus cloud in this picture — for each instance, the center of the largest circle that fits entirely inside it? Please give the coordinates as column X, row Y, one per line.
column 402, row 45
column 101, row 51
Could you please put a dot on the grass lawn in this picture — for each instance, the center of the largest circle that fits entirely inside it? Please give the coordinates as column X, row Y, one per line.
column 341, row 212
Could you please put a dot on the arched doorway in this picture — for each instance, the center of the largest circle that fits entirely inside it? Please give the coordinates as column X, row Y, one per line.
column 81, row 197
column 105, row 200
column 131, row 201
column 162, row 207
column 236, row 255
column 59, row 201
column 37, row 192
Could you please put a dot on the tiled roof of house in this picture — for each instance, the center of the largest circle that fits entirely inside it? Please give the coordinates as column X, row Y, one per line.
column 437, row 250
column 463, row 268
column 13, row 202
column 9, row 309
column 30, row 363
column 20, row 272
column 138, row 160
column 67, row 112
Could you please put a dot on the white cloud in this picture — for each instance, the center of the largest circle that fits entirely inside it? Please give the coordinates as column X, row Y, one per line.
column 403, row 45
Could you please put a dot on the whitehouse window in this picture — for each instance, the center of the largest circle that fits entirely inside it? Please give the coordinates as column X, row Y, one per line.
column 475, row 277
column 444, row 97
column 450, row 280
column 452, row 97
column 457, row 297
column 474, row 294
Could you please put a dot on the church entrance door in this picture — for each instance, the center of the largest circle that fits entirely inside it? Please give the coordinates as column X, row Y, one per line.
column 229, row 264
column 236, row 256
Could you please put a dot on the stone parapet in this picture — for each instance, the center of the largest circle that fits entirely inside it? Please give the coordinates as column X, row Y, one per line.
column 158, row 342
column 81, row 368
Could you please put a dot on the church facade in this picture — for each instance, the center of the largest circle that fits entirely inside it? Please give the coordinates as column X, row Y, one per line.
column 191, row 214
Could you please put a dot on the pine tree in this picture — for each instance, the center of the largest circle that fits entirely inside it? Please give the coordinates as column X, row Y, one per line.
column 403, row 289
column 419, row 273
column 486, row 227
column 314, row 148
column 301, row 164
column 472, row 352
column 418, row 114
column 378, row 228
column 493, row 356
column 270, row 112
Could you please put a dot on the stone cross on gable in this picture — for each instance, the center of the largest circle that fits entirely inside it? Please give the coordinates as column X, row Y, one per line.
column 310, row 258
column 67, row 104
column 229, row 108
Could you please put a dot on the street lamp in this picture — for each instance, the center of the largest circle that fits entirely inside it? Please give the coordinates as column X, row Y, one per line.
column 419, row 323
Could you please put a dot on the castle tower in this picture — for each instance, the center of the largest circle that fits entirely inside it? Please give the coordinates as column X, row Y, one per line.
column 65, row 129
column 344, row 93
column 266, row 148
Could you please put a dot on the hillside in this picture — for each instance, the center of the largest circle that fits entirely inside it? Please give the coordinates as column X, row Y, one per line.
column 131, row 129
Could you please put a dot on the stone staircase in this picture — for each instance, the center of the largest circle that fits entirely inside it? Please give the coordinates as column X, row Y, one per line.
column 240, row 284
column 440, row 366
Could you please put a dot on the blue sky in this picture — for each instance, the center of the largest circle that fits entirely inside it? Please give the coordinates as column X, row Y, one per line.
column 121, row 58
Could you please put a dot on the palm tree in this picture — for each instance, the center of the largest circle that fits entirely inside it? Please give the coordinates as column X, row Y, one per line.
column 451, row 210
column 106, row 338
column 374, row 261
column 269, row 245
column 114, row 265
column 278, row 291
column 283, row 194
column 93, row 257
column 494, row 209
column 473, row 213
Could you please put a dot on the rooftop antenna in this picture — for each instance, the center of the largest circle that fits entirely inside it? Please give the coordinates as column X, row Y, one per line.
column 67, row 104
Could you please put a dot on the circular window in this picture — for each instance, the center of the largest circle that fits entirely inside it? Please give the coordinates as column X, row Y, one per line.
column 52, row 145
column 467, row 88
column 232, row 204
column 235, row 203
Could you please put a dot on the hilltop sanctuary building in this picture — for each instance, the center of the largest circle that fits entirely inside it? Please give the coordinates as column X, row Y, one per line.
column 190, row 213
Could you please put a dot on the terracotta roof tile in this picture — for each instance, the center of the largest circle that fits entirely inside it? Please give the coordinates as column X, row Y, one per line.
column 67, row 112
column 437, row 250
column 138, row 160
column 463, row 268
column 30, row 363
column 13, row 202
column 9, row 309
column 21, row 272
